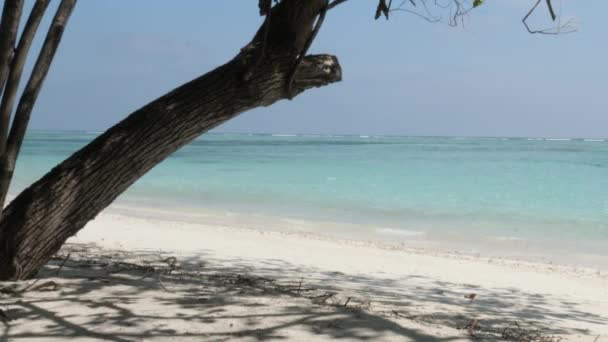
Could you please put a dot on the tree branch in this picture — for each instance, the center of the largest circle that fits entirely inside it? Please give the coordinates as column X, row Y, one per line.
column 8, row 33
column 316, row 71
column 558, row 29
column 335, row 3
column 31, row 91
column 458, row 9
column 37, row 222
column 551, row 11
column 16, row 69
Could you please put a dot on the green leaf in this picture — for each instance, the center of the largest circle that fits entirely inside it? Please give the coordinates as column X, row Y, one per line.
column 477, row 3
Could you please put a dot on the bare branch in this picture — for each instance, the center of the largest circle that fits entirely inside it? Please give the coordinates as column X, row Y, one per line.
column 567, row 27
column 551, row 12
column 427, row 18
column 307, row 45
column 426, row 13
column 382, row 9
column 524, row 20
column 335, row 3
column 457, row 11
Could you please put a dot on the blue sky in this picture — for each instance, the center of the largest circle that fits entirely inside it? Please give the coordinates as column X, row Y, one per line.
column 405, row 76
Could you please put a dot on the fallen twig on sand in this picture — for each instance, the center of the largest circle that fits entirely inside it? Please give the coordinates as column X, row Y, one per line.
column 169, row 266
column 470, row 296
column 4, row 317
column 46, row 286
column 512, row 332
column 127, row 266
column 160, row 282
column 299, row 287
column 471, row 327
column 323, row 298
column 399, row 315
column 410, row 317
column 62, row 264
column 520, row 334
column 171, row 262
column 14, row 289
column 347, row 300
column 9, row 289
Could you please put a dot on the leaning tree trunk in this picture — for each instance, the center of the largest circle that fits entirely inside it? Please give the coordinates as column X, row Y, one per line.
column 44, row 216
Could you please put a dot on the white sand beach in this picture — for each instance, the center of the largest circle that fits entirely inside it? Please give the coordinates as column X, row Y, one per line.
column 143, row 279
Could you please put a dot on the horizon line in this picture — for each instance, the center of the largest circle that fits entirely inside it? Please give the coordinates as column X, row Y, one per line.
column 360, row 135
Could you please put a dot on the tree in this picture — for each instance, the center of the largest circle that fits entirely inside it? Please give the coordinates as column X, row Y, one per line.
column 272, row 67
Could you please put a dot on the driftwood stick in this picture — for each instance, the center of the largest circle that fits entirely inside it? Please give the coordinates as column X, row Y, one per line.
column 347, row 301
column 62, row 264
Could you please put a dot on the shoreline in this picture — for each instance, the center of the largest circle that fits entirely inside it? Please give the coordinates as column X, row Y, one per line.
column 494, row 248
column 95, row 233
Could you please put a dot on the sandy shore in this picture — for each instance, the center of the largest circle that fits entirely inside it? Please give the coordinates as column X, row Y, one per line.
column 139, row 279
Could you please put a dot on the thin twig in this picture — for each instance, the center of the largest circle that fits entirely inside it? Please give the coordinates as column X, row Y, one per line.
column 62, row 264
column 335, row 3
column 557, row 31
column 551, row 12
column 299, row 287
column 160, row 282
column 324, row 297
column 29, row 286
column 4, row 317
column 46, row 286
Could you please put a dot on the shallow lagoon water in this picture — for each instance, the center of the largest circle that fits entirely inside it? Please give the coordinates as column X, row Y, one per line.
column 521, row 195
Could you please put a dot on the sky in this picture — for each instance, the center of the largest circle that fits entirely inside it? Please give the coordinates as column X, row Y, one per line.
column 404, row 76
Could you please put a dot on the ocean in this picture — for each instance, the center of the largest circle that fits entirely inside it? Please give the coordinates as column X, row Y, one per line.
column 542, row 199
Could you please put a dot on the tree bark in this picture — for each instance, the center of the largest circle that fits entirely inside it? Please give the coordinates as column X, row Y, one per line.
column 8, row 33
column 16, row 68
column 7, row 160
column 42, row 217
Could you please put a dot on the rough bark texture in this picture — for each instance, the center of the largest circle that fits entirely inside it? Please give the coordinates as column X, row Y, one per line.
column 42, row 217
column 8, row 33
column 7, row 160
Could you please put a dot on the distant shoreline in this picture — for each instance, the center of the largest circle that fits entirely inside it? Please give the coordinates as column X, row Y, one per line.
column 368, row 135
column 366, row 235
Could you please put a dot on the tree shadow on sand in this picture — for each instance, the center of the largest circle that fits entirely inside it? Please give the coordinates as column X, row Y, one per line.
column 107, row 295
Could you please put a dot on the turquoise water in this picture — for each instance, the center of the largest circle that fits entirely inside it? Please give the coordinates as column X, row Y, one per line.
column 552, row 193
